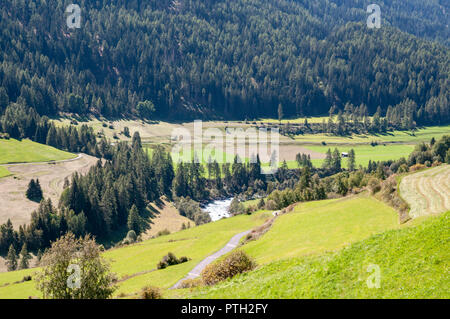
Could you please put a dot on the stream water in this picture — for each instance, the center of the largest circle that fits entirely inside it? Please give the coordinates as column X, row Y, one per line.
column 218, row 209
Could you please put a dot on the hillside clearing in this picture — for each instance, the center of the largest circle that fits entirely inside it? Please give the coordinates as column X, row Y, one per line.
column 26, row 151
column 16, row 206
column 427, row 192
column 166, row 217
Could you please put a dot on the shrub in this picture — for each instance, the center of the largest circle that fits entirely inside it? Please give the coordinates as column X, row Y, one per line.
column 271, row 205
column 374, row 185
column 417, row 167
column 170, row 259
column 191, row 283
column 151, row 293
column 403, row 168
column 191, row 209
column 236, row 263
column 163, row 233
column 131, row 236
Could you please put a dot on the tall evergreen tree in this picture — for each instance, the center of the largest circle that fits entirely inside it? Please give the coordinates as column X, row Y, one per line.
column 11, row 259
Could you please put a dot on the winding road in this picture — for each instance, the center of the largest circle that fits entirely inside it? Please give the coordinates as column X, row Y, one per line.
column 195, row 273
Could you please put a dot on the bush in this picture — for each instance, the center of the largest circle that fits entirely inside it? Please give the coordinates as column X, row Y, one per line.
column 374, row 185
column 170, row 259
column 151, row 293
column 191, row 209
column 417, row 167
column 131, row 236
column 163, row 233
column 191, row 283
column 271, row 205
column 236, row 263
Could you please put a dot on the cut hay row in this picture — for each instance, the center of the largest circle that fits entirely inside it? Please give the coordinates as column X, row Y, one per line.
column 427, row 192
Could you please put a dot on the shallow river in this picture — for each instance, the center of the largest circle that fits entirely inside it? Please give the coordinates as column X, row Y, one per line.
column 218, row 209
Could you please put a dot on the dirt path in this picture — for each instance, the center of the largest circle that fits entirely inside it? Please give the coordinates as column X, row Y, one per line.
column 194, row 273
column 15, row 205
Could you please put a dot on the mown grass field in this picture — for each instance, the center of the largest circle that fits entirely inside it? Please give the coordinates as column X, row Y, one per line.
column 25, row 151
column 4, row 172
column 299, row 120
column 420, row 135
column 427, row 192
column 413, row 262
column 365, row 153
column 134, row 264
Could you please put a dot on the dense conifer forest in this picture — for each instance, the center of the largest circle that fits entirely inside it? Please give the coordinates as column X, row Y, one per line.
column 228, row 59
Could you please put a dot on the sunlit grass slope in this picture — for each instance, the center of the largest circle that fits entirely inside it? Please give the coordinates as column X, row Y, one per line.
column 316, row 227
column 413, row 262
column 14, row 151
column 135, row 265
column 365, row 153
column 4, row 172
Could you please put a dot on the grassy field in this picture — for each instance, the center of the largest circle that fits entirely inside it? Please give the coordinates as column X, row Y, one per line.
column 25, row 151
column 299, row 120
column 413, row 262
column 420, row 135
column 4, row 172
column 134, row 264
column 364, row 153
column 427, row 192
column 316, row 227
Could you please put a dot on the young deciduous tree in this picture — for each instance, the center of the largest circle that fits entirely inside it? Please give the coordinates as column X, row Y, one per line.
column 73, row 269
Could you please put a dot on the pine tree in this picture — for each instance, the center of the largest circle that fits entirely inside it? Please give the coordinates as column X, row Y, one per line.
column 328, row 160
column 34, row 191
column 280, row 112
column 351, row 160
column 134, row 220
column 25, row 257
column 336, row 160
column 11, row 259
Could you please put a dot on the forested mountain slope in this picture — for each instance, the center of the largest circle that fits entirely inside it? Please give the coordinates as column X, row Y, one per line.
column 233, row 59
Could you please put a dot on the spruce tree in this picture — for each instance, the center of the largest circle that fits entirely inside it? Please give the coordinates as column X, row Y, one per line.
column 11, row 259
column 24, row 257
column 133, row 220
column 351, row 160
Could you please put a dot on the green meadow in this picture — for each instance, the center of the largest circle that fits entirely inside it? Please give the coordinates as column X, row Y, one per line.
column 26, row 151
column 316, row 227
column 4, row 172
column 412, row 262
column 135, row 265
column 365, row 153
column 420, row 135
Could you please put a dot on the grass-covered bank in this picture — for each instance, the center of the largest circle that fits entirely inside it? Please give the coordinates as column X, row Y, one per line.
column 26, row 151
column 134, row 265
column 413, row 263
